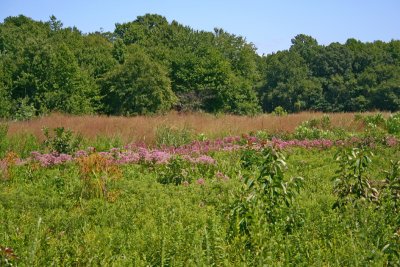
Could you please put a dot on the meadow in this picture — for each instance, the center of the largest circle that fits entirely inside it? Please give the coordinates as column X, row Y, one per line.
column 307, row 189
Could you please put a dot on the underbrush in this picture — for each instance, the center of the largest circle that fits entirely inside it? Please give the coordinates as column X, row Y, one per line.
column 236, row 201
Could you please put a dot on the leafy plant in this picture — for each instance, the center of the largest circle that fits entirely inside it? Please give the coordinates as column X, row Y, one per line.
column 170, row 136
column 315, row 129
column 263, row 195
column 351, row 183
column 393, row 124
column 25, row 111
column 175, row 172
column 279, row 111
column 393, row 183
column 391, row 206
column 376, row 119
column 62, row 140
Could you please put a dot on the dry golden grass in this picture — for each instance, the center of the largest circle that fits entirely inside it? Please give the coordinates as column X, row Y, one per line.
column 143, row 128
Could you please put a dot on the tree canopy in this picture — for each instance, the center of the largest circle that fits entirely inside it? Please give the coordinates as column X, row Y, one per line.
column 150, row 65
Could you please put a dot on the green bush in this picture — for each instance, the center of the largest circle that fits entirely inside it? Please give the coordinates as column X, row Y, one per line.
column 265, row 194
column 351, row 181
column 25, row 111
column 169, row 136
column 393, row 124
column 62, row 140
column 279, row 111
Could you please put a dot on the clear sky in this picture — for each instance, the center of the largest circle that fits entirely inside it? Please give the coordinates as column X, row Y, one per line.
column 270, row 25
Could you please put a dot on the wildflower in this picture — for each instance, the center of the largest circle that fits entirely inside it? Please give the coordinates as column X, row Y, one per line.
column 221, row 176
column 205, row 160
column 200, row 181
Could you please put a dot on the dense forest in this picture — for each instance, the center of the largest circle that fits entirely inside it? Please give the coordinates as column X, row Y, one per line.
column 150, row 66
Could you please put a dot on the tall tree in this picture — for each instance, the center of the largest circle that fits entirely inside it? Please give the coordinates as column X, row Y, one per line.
column 138, row 86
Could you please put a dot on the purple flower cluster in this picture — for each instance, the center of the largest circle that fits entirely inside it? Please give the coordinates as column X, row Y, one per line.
column 50, row 159
column 132, row 156
column 203, row 159
column 317, row 143
column 196, row 152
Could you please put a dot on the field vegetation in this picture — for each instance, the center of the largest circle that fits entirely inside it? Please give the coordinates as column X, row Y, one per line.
column 322, row 190
column 146, row 128
column 126, row 148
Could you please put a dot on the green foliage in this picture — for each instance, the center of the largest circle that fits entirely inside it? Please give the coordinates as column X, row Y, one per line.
column 263, row 197
column 3, row 139
column 175, row 172
column 139, row 86
column 316, row 129
column 62, row 140
column 24, row 110
column 392, row 180
column 376, row 119
column 306, row 132
column 279, row 111
column 87, row 213
column 377, row 125
column 170, row 136
column 393, row 124
column 351, row 182
column 104, row 143
column 23, row 144
column 133, row 69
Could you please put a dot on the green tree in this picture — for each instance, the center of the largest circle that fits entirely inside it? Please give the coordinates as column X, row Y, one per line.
column 5, row 96
column 138, row 86
column 53, row 81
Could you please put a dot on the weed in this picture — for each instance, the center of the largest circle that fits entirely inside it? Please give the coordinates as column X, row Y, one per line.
column 393, row 184
column 169, row 136
column 351, row 183
column 263, row 195
column 7, row 256
column 393, row 124
column 96, row 172
column 62, row 140
column 175, row 172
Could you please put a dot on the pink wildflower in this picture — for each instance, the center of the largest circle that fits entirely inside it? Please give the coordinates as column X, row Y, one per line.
column 201, row 181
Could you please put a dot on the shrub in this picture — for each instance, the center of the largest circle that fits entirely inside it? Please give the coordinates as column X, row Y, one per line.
column 263, row 195
column 174, row 172
column 62, row 140
column 393, row 124
column 24, row 110
column 392, row 181
column 351, row 183
column 279, row 111
column 169, row 136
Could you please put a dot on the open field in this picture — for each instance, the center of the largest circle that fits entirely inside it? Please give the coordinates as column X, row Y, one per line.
column 143, row 128
column 327, row 194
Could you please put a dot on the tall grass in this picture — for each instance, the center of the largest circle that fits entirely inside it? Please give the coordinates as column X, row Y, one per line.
column 144, row 128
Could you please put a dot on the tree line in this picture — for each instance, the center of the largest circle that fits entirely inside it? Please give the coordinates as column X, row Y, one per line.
column 151, row 66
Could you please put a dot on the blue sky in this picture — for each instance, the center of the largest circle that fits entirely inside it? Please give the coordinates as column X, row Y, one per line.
column 270, row 25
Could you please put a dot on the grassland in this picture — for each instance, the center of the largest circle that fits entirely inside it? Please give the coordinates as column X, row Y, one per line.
column 207, row 201
column 143, row 128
